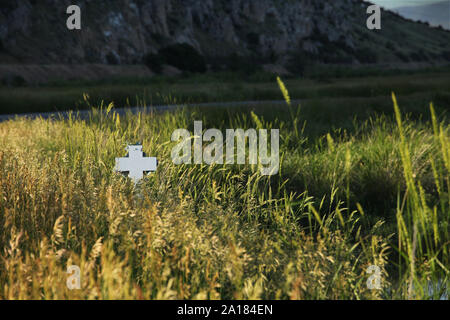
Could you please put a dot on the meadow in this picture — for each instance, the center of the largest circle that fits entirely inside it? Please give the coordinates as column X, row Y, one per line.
column 429, row 84
column 364, row 181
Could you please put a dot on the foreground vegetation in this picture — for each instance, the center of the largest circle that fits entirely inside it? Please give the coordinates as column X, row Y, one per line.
column 372, row 192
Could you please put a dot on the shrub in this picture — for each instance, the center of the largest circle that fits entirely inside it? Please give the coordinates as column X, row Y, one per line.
column 13, row 81
column 253, row 40
column 419, row 56
column 154, row 62
column 390, row 45
column 245, row 64
column 401, row 56
column 365, row 55
column 298, row 61
column 446, row 55
column 112, row 58
column 184, row 57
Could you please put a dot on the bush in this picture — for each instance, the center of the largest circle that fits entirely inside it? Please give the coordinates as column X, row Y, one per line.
column 184, row 57
column 13, row 81
column 298, row 61
column 245, row 64
column 154, row 62
column 446, row 55
column 390, row 45
column 112, row 59
column 419, row 56
column 253, row 40
column 366, row 55
column 401, row 56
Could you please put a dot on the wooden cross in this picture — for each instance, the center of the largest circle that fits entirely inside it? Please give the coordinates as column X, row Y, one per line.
column 135, row 163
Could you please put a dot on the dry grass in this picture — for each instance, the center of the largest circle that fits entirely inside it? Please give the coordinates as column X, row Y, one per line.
column 220, row 232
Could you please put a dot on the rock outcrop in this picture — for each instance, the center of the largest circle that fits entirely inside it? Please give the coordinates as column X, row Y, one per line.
column 123, row 31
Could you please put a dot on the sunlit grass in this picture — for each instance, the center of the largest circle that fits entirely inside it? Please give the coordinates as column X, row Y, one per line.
column 341, row 203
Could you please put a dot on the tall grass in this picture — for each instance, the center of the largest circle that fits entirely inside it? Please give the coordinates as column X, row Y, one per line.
column 223, row 232
column 423, row 237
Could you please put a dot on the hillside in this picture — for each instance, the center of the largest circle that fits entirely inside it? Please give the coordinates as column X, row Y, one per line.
column 271, row 31
column 437, row 14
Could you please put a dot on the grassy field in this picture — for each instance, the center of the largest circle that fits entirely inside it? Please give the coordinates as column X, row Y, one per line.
column 360, row 184
column 425, row 84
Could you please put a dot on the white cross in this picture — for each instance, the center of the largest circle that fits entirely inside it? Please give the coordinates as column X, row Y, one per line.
column 135, row 163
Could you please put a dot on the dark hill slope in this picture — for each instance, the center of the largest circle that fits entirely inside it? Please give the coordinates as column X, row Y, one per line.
column 123, row 31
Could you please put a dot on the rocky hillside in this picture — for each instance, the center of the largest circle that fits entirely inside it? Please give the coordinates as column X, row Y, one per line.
column 271, row 31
